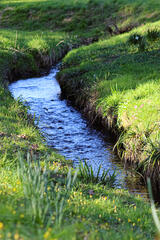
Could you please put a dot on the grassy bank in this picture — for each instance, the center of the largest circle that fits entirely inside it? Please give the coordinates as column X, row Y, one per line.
column 120, row 81
column 81, row 17
column 37, row 199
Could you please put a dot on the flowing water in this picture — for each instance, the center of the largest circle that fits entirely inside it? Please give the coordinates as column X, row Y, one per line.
column 68, row 132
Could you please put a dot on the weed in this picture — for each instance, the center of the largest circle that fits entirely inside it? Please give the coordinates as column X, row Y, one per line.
column 135, row 39
column 139, row 40
column 104, row 177
column 42, row 197
column 63, row 195
column 35, row 186
column 153, row 155
column 153, row 35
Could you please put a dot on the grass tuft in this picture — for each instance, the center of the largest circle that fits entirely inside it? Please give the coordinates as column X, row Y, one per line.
column 87, row 175
column 153, row 35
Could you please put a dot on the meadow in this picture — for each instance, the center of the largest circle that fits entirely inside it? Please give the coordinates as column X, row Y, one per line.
column 41, row 195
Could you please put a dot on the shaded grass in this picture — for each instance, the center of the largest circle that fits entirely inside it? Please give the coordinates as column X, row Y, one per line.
column 28, row 53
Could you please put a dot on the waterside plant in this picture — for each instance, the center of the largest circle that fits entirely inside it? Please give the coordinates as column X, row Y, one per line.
column 87, row 174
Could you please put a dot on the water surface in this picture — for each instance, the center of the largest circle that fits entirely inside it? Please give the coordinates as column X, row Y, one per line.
column 67, row 131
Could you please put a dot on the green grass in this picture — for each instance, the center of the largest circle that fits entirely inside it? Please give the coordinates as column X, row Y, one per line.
column 81, row 17
column 126, row 82
column 35, row 204
column 34, row 35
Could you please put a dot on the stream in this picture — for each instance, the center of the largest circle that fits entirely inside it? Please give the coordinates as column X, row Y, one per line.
column 68, row 132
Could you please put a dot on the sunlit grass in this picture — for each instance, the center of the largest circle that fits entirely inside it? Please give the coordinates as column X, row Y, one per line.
column 126, row 82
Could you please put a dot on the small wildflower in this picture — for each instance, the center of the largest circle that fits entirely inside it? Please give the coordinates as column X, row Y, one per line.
column 103, row 226
column 18, row 182
column 46, row 235
column 16, row 236
column 115, row 209
column 22, row 216
column 129, row 220
column 138, row 219
column 142, row 105
column 9, row 235
column 1, row 225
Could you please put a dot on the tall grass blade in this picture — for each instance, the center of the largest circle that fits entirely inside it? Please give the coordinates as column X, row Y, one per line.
column 98, row 172
column 154, row 213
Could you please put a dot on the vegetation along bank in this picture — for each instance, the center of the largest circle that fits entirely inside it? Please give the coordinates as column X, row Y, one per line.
column 116, row 82
column 117, row 76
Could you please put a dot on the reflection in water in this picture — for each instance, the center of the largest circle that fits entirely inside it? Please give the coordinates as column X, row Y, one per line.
column 67, row 131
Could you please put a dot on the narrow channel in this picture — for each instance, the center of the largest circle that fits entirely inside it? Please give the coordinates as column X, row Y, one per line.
column 68, row 132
